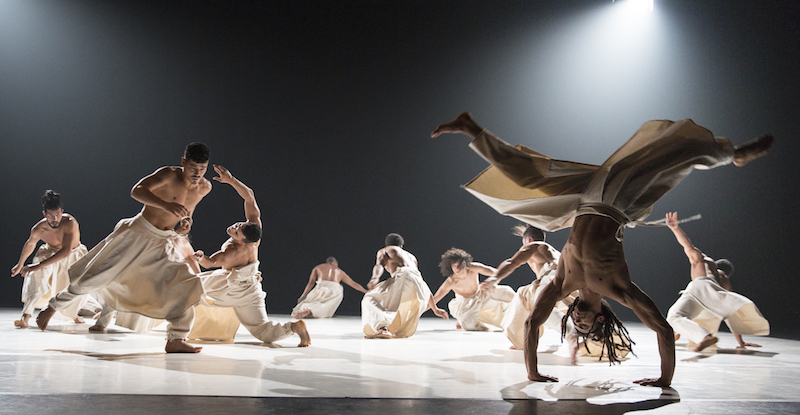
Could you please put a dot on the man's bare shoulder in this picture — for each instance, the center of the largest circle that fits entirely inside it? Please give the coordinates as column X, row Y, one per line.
column 204, row 187
column 39, row 226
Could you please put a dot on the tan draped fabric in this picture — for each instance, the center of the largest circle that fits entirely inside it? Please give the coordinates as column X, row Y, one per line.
column 482, row 308
column 43, row 284
column 323, row 300
column 136, row 269
column 396, row 303
column 546, row 193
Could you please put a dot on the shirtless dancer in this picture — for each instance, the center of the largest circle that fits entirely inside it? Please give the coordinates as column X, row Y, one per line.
column 473, row 308
column 62, row 247
column 237, row 283
column 602, row 199
column 710, row 291
column 137, row 267
column 392, row 308
column 322, row 300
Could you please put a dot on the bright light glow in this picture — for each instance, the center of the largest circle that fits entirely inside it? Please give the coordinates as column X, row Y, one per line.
column 635, row 7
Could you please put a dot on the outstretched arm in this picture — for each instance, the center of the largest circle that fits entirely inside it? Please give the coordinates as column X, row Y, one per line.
column 251, row 210
column 312, row 280
column 27, row 250
column 508, row 266
column 445, row 288
column 349, row 281
column 696, row 257
column 142, row 192
column 542, row 308
column 70, row 231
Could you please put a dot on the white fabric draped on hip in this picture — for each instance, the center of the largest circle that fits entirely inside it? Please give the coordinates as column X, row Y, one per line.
column 43, row 284
column 396, row 303
column 240, row 288
column 135, row 269
column 704, row 304
column 473, row 313
column 521, row 306
column 546, row 193
column 323, row 300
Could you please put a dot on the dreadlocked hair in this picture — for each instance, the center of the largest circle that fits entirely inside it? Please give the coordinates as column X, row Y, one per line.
column 605, row 333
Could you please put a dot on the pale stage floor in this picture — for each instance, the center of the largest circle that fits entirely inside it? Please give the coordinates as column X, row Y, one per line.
column 439, row 370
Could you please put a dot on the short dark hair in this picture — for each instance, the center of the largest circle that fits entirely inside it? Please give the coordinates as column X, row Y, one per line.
column 725, row 266
column 607, row 333
column 394, row 239
column 51, row 201
column 251, row 232
column 452, row 256
column 528, row 231
column 197, row 152
column 331, row 260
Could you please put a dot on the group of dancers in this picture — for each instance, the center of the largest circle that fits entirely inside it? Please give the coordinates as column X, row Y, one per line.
column 147, row 266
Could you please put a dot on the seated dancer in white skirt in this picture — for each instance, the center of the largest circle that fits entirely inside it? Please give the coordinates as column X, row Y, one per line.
column 597, row 202
column 392, row 308
column 47, row 274
column 472, row 308
column 324, row 292
column 709, row 298
column 137, row 267
column 237, row 283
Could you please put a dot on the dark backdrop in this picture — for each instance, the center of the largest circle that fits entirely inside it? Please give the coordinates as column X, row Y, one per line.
column 325, row 110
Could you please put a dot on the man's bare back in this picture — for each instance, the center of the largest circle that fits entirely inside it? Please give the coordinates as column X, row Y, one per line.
column 394, row 257
column 328, row 272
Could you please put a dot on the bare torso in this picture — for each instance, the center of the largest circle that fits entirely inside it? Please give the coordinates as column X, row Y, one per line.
column 238, row 254
column 328, row 272
column 464, row 283
column 176, row 189
column 394, row 257
column 546, row 254
column 54, row 237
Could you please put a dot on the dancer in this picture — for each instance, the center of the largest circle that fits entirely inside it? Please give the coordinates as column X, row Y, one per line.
column 137, row 267
column 392, row 308
column 597, row 201
column 709, row 298
column 237, row 283
column 47, row 274
column 472, row 307
column 324, row 292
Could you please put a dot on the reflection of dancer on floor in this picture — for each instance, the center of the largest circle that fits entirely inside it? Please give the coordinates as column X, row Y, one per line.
column 603, row 199
column 136, row 268
column 48, row 273
column 392, row 308
column 473, row 308
column 237, row 283
column 711, row 291
column 324, row 292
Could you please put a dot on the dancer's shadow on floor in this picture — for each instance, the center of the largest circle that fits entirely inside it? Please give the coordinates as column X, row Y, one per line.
column 705, row 354
column 574, row 399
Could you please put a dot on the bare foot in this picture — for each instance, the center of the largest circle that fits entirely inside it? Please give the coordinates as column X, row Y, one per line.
column 44, row 317
column 677, row 336
column 463, row 124
column 381, row 334
column 752, row 149
column 536, row 377
column 652, row 382
column 301, row 314
column 512, row 347
column 458, row 325
column 180, row 346
column 79, row 320
column 23, row 323
column 299, row 328
column 707, row 341
column 97, row 329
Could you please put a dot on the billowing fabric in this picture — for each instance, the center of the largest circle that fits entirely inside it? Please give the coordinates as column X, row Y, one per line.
column 323, row 300
column 44, row 283
column 704, row 304
column 547, row 193
column 136, row 269
column 473, row 313
column 240, row 288
column 396, row 304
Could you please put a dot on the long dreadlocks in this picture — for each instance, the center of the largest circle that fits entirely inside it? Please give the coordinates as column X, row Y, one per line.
column 605, row 333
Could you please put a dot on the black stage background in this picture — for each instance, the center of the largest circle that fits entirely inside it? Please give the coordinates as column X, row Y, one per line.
column 325, row 110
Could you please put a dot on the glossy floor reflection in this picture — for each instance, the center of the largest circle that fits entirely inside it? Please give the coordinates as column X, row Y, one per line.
column 439, row 369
